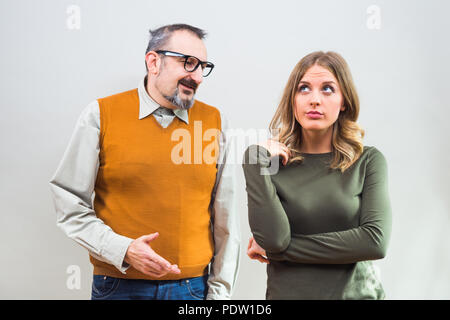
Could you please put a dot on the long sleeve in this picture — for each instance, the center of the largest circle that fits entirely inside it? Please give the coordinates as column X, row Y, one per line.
column 226, row 229
column 271, row 228
column 72, row 187
column 268, row 221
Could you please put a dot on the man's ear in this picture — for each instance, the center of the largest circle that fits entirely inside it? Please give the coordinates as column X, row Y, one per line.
column 153, row 62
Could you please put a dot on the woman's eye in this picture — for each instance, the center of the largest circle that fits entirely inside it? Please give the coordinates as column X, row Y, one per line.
column 328, row 89
column 303, row 88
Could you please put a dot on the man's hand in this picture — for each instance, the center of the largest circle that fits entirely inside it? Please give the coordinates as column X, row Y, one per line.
column 142, row 257
column 254, row 251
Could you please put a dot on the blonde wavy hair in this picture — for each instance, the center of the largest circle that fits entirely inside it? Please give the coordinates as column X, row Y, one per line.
column 347, row 134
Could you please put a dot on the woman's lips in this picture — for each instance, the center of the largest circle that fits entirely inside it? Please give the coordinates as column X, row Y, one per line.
column 314, row 115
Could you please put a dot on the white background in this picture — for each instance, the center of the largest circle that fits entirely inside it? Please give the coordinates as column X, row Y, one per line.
column 50, row 72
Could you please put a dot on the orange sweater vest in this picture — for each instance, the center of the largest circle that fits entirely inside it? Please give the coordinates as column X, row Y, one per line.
column 154, row 179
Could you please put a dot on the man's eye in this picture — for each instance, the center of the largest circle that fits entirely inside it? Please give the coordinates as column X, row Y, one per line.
column 190, row 62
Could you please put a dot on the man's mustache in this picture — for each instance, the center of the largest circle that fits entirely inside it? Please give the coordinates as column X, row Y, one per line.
column 189, row 83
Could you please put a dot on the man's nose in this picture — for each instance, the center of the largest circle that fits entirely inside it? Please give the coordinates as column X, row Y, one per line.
column 197, row 75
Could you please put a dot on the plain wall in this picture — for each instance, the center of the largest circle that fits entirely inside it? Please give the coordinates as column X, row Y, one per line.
column 50, row 72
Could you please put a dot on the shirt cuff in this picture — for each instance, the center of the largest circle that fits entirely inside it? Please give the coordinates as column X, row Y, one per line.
column 116, row 250
column 213, row 296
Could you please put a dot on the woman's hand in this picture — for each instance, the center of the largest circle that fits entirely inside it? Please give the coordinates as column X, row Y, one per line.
column 277, row 149
column 254, row 251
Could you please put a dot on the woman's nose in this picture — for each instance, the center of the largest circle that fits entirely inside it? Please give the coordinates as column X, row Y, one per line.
column 315, row 99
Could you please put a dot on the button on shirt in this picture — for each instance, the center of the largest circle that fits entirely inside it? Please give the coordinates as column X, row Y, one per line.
column 73, row 187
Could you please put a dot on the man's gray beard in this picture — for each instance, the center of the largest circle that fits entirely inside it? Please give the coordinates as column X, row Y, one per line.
column 178, row 102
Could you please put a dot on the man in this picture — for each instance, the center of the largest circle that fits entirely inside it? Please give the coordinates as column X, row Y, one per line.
column 163, row 222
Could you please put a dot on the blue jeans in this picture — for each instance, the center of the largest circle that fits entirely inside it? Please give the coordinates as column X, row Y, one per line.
column 109, row 288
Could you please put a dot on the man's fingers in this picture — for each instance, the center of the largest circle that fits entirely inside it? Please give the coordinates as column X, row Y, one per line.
column 150, row 237
column 175, row 269
column 154, row 274
column 155, row 270
column 154, row 267
column 160, row 260
column 164, row 264
column 158, row 263
column 154, row 264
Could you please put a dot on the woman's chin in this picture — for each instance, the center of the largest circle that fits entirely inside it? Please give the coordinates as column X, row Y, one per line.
column 314, row 127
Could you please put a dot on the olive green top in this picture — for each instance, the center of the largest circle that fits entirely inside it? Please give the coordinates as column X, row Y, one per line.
column 320, row 227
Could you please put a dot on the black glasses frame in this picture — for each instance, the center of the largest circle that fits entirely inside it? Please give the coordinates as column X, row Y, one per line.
column 186, row 57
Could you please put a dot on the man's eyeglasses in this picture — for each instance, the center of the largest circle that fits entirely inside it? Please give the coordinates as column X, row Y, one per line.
column 191, row 63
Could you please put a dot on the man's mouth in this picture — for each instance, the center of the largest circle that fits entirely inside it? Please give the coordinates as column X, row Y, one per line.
column 190, row 84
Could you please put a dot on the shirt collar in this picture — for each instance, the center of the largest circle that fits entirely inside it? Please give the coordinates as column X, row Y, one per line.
column 147, row 105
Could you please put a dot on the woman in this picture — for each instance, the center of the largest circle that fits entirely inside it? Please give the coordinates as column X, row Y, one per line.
column 326, row 213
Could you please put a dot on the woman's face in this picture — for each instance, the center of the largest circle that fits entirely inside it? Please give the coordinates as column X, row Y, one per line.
column 318, row 100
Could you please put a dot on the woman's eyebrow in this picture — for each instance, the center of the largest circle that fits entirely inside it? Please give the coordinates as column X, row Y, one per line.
column 325, row 82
